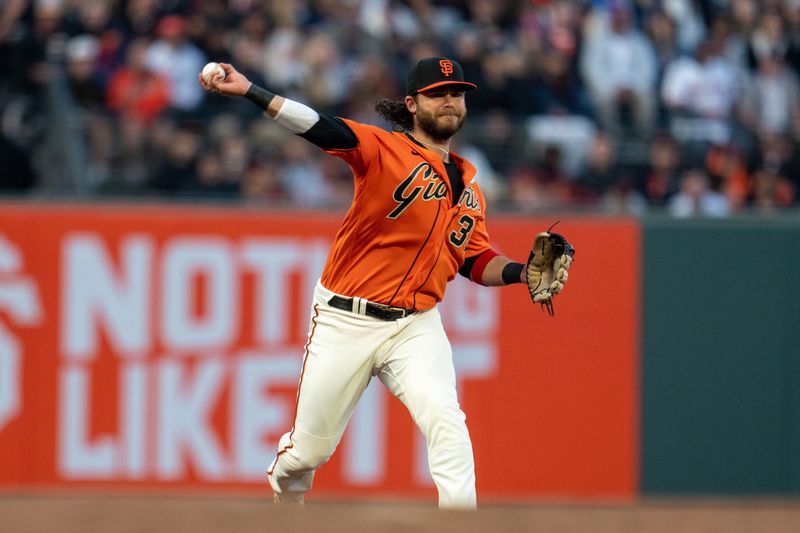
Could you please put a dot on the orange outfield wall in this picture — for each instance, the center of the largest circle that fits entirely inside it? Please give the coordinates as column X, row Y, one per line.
column 158, row 348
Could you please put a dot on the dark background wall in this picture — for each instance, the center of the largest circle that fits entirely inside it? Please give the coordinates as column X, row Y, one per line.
column 721, row 357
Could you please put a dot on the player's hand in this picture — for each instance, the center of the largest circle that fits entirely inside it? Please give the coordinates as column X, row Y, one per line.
column 233, row 84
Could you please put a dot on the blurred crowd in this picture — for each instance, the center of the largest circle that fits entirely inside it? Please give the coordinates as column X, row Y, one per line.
column 689, row 106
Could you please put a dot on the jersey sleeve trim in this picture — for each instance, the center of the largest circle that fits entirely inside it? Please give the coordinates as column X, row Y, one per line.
column 474, row 266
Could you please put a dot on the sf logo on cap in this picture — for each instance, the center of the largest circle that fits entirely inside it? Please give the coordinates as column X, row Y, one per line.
column 447, row 66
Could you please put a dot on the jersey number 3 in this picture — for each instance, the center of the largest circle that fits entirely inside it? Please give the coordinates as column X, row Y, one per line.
column 457, row 237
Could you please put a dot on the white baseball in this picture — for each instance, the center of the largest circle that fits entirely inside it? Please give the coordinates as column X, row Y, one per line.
column 211, row 70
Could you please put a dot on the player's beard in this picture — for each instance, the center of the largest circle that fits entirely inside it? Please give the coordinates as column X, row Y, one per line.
column 439, row 132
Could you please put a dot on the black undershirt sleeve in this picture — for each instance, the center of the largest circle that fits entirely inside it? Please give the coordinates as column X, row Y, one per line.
column 466, row 268
column 331, row 133
column 511, row 272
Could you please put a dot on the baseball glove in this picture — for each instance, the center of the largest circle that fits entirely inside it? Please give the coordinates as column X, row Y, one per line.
column 546, row 271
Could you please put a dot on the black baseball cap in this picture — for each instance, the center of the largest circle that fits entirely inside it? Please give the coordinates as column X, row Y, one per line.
column 433, row 72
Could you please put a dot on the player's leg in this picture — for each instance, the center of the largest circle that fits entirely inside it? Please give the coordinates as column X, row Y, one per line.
column 419, row 371
column 336, row 369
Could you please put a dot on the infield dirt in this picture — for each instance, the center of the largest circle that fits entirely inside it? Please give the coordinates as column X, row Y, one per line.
column 172, row 514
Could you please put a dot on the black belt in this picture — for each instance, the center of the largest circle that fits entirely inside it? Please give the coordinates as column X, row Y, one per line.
column 383, row 312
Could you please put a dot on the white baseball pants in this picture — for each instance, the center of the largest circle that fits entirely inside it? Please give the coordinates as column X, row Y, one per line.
column 413, row 359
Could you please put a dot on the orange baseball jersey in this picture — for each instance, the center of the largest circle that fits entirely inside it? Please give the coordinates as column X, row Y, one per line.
column 403, row 239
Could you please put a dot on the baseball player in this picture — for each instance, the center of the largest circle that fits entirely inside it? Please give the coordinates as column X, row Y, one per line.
column 417, row 219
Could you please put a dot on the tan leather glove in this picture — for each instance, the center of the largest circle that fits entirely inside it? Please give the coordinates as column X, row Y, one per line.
column 547, row 268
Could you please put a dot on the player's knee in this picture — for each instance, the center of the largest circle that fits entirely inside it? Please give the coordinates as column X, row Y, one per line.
column 285, row 441
column 308, row 454
column 304, row 452
column 442, row 413
column 298, row 462
column 313, row 459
